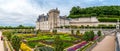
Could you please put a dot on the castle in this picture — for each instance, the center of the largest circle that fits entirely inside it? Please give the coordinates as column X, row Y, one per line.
column 52, row 20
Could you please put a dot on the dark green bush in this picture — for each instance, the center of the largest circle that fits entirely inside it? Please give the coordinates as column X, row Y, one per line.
column 99, row 33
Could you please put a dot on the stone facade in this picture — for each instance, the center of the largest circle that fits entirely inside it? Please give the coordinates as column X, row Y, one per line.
column 51, row 20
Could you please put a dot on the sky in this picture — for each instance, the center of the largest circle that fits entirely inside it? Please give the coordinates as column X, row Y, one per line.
column 26, row 12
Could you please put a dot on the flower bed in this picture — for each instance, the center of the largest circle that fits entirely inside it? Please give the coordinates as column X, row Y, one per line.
column 24, row 47
column 74, row 48
column 85, row 48
column 89, row 44
column 96, row 37
column 77, row 46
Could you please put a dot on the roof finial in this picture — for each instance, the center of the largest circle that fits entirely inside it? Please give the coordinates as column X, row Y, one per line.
column 56, row 8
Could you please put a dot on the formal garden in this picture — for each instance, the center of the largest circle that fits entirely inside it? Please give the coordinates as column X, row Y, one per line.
column 51, row 41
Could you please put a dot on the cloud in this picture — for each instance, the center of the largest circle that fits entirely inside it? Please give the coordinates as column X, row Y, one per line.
column 15, row 12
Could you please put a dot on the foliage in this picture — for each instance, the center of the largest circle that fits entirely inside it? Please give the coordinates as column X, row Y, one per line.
column 92, row 35
column 101, row 11
column 77, row 32
column 8, row 34
column 80, row 45
column 88, row 35
column 32, row 44
column 99, row 33
column 87, row 46
column 45, row 37
column 24, row 47
column 44, row 49
column 58, row 44
column 38, row 31
column 72, row 32
column 67, row 38
column 16, row 42
column 103, row 26
column 18, row 27
column 54, row 31
column 68, row 44
column 26, row 35
column 106, row 19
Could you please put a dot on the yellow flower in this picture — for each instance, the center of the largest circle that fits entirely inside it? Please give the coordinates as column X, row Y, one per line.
column 24, row 47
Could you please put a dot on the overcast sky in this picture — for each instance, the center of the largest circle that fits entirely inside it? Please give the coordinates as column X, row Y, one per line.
column 25, row 12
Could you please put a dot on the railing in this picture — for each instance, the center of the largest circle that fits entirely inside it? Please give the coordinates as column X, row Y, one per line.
column 91, row 47
column 117, row 45
column 5, row 46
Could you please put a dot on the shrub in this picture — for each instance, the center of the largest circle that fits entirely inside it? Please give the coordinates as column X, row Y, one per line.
column 16, row 42
column 77, row 32
column 43, row 49
column 88, row 35
column 32, row 44
column 54, row 31
column 58, row 44
column 99, row 33
column 8, row 34
column 72, row 32
column 108, row 19
column 92, row 35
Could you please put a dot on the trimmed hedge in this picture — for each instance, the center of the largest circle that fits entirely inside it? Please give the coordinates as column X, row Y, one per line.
column 103, row 26
column 108, row 19
column 77, row 16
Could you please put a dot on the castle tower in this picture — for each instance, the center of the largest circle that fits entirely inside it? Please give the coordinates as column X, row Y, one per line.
column 52, row 18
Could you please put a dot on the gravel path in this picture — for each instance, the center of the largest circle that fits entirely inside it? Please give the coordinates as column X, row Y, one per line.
column 107, row 44
column 1, row 43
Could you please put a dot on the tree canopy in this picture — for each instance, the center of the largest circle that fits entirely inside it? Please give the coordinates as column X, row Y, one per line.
column 100, row 11
column 88, row 35
column 17, row 27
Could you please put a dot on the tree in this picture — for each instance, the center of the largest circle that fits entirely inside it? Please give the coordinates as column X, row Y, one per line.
column 58, row 44
column 54, row 31
column 99, row 33
column 20, row 26
column 16, row 42
column 104, row 11
column 72, row 32
column 74, row 10
column 92, row 35
column 88, row 35
column 37, row 31
column 77, row 32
